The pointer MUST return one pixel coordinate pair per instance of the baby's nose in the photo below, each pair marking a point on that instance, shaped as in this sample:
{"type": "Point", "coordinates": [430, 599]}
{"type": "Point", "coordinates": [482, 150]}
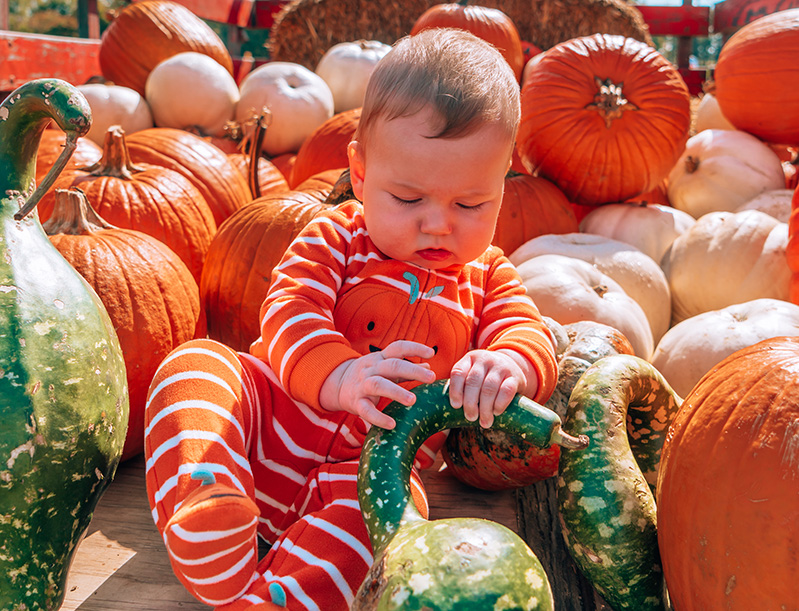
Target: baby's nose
{"type": "Point", "coordinates": [436, 222]}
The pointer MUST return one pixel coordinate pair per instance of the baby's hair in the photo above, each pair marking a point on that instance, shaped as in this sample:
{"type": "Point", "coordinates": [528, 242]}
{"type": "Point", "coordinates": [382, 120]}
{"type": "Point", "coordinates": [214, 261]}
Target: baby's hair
{"type": "Point", "coordinates": [462, 77]}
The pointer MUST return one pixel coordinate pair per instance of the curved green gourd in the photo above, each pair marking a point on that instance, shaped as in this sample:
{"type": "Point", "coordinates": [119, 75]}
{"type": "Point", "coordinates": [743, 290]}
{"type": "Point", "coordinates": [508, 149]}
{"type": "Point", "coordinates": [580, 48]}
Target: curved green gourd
{"type": "Point", "coordinates": [459, 563]}
{"type": "Point", "coordinates": [606, 504]}
{"type": "Point", "coordinates": [63, 389]}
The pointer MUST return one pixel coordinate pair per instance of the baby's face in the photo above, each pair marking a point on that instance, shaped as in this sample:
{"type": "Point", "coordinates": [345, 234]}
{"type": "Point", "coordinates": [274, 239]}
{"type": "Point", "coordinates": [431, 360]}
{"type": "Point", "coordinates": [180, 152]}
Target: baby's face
{"type": "Point", "coordinates": [430, 201]}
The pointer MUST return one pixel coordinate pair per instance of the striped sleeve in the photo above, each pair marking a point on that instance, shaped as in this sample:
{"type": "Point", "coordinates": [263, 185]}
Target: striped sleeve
{"type": "Point", "coordinates": [298, 335]}
{"type": "Point", "coordinates": [511, 321]}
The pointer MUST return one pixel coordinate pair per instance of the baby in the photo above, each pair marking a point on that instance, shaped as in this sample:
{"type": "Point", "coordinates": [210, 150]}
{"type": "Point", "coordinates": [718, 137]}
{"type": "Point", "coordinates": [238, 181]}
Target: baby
{"type": "Point", "coordinates": [398, 288]}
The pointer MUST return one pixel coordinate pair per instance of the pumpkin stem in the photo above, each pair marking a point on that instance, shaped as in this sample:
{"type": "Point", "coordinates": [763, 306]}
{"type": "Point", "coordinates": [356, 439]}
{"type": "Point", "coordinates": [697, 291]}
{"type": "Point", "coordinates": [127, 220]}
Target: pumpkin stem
{"type": "Point", "coordinates": [261, 123]}
{"type": "Point", "coordinates": [609, 101]}
{"type": "Point", "coordinates": [691, 164]}
{"type": "Point", "coordinates": [116, 158]}
{"type": "Point", "coordinates": [73, 215]}
{"type": "Point", "coordinates": [600, 289]}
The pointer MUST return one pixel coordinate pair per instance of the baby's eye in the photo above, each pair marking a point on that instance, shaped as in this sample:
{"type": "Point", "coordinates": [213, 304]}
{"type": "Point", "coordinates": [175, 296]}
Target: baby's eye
{"type": "Point", "coordinates": [406, 202]}
{"type": "Point", "coordinates": [471, 206]}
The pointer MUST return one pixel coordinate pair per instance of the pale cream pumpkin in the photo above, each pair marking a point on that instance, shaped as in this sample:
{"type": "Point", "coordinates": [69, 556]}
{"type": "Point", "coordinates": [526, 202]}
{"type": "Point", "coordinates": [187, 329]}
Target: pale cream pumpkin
{"type": "Point", "coordinates": [651, 228]}
{"type": "Point", "coordinates": [569, 290]}
{"type": "Point", "coordinates": [637, 273]}
{"type": "Point", "coordinates": [115, 105]}
{"type": "Point", "coordinates": [692, 347]}
{"type": "Point", "coordinates": [776, 203]}
{"type": "Point", "coordinates": [346, 68]}
{"type": "Point", "coordinates": [721, 170]}
{"type": "Point", "coordinates": [192, 91]}
{"type": "Point", "coordinates": [708, 115]}
{"type": "Point", "coordinates": [297, 99]}
{"type": "Point", "coordinates": [727, 258]}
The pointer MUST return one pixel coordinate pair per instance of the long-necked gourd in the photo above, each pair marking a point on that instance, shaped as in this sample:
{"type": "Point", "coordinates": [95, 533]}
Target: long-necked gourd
{"type": "Point", "coordinates": [63, 389]}
{"type": "Point", "coordinates": [605, 499]}
{"type": "Point", "coordinates": [451, 564]}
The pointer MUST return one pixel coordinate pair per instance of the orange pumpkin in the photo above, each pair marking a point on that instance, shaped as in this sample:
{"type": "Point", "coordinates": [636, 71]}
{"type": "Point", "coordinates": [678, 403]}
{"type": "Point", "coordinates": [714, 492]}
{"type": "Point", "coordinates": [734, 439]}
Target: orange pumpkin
{"type": "Point", "coordinates": [755, 77]}
{"type": "Point", "coordinates": [603, 117]}
{"type": "Point", "coordinates": [728, 485]}
{"type": "Point", "coordinates": [149, 293]}
{"type": "Point", "coordinates": [52, 144]}
{"type": "Point", "coordinates": [205, 165]}
{"type": "Point", "coordinates": [148, 198]}
{"type": "Point", "coordinates": [326, 147]}
{"type": "Point", "coordinates": [490, 24]}
{"type": "Point", "coordinates": [792, 251]}
{"type": "Point", "coordinates": [143, 34]}
{"type": "Point", "coordinates": [238, 269]}
{"type": "Point", "coordinates": [531, 206]}
{"type": "Point", "coordinates": [270, 178]}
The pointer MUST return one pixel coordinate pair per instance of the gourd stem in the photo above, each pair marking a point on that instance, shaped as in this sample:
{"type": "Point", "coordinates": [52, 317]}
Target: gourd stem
{"type": "Point", "coordinates": [69, 147]}
{"type": "Point", "coordinates": [563, 439]}
{"type": "Point", "coordinates": [116, 158]}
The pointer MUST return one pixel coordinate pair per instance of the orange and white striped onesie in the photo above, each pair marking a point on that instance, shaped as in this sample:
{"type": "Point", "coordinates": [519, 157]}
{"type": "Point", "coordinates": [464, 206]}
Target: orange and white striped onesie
{"type": "Point", "coordinates": [282, 465]}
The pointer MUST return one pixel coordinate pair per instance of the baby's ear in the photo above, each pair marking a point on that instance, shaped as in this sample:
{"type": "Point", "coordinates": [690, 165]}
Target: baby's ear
{"type": "Point", "coordinates": [357, 167]}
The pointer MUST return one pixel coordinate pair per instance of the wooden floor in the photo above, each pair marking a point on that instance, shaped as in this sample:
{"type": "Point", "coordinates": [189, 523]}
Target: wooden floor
{"type": "Point", "coordinates": [121, 564]}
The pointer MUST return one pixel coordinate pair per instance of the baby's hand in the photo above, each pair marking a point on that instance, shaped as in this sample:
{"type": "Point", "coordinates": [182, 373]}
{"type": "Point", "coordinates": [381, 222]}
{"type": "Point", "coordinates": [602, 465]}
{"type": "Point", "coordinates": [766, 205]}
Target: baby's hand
{"type": "Point", "coordinates": [357, 386]}
{"type": "Point", "coordinates": [484, 382]}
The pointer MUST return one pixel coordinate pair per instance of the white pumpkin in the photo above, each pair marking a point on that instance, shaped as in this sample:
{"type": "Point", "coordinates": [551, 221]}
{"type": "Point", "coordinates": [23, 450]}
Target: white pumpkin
{"type": "Point", "coordinates": [637, 273]}
{"type": "Point", "coordinates": [115, 105]}
{"type": "Point", "coordinates": [722, 170]}
{"type": "Point", "coordinates": [570, 290]}
{"type": "Point", "coordinates": [694, 346]}
{"type": "Point", "coordinates": [346, 68]}
{"type": "Point", "coordinates": [651, 228]}
{"type": "Point", "coordinates": [709, 115]}
{"type": "Point", "coordinates": [298, 99]}
{"type": "Point", "coordinates": [727, 258]}
{"type": "Point", "coordinates": [192, 91]}
{"type": "Point", "coordinates": [776, 203]}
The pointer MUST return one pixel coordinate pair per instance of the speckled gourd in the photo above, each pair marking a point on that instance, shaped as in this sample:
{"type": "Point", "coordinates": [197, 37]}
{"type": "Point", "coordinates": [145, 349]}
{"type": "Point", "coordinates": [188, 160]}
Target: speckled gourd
{"type": "Point", "coordinates": [605, 493]}
{"type": "Point", "coordinates": [63, 392]}
{"type": "Point", "coordinates": [451, 564]}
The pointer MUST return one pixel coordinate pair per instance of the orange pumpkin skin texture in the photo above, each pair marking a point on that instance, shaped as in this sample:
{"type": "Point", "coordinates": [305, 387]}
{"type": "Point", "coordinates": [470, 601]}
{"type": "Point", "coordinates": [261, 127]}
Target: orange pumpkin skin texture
{"type": "Point", "coordinates": [205, 165]}
{"type": "Point", "coordinates": [792, 251]}
{"type": "Point", "coordinates": [270, 178]}
{"type": "Point", "coordinates": [148, 292]}
{"type": "Point", "coordinates": [52, 144]}
{"type": "Point", "coordinates": [531, 206]}
{"type": "Point", "coordinates": [603, 117]}
{"type": "Point", "coordinates": [728, 485]}
{"type": "Point", "coordinates": [756, 75]}
{"type": "Point", "coordinates": [490, 24]}
{"type": "Point", "coordinates": [145, 33]}
{"type": "Point", "coordinates": [326, 147]}
{"type": "Point", "coordinates": [238, 268]}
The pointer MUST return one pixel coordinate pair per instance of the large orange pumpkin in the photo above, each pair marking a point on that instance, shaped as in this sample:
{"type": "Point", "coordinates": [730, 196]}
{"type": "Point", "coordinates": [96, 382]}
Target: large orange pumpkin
{"type": "Point", "coordinates": [148, 198]}
{"type": "Point", "coordinates": [326, 147]}
{"type": "Point", "coordinates": [728, 485]}
{"type": "Point", "coordinates": [490, 24]}
{"type": "Point", "coordinates": [756, 75]}
{"type": "Point", "coordinates": [149, 293]}
{"type": "Point", "coordinates": [144, 33]}
{"type": "Point", "coordinates": [792, 251]}
{"type": "Point", "coordinates": [531, 206]}
{"type": "Point", "coordinates": [603, 117]}
{"type": "Point", "coordinates": [51, 146]}
{"type": "Point", "coordinates": [204, 164]}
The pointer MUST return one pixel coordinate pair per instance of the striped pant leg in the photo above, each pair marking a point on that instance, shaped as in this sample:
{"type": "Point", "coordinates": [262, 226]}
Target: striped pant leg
{"type": "Point", "coordinates": [199, 420]}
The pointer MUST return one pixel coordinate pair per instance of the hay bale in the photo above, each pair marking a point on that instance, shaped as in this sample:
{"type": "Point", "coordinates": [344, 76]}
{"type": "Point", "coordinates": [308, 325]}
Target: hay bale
{"type": "Point", "coordinates": [304, 29]}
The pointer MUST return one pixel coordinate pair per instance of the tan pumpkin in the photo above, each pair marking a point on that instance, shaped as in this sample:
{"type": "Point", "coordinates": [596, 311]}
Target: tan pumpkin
{"type": "Point", "coordinates": [727, 258]}
{"type": "Point", "coordinates": [115, 105]}
{"type": "Point", "coordinates": [346, 68]}
{"type": "Point", "coordinates": [776, 203]}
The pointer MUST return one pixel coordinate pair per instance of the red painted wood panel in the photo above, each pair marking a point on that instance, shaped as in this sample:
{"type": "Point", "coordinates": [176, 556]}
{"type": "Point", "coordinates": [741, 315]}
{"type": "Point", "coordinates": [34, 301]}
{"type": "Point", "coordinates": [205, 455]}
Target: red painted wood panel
{"type": "Point", "coordinates": [24, 57]}
{"type": "Point", "coordinates": [676, 20]}
{"type": "Point", "coordinates": [235, 12]}
{"type": "Point", "coordinates": [730, 15]}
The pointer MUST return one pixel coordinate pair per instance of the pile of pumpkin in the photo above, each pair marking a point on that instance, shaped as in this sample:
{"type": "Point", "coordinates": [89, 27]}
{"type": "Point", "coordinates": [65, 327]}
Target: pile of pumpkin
{"type": "Point", "coordinates": [628, 206]}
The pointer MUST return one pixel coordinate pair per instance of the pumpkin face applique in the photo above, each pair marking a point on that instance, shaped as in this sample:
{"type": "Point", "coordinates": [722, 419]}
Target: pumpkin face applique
{"type": "Point", "coordinates": [373, 314]}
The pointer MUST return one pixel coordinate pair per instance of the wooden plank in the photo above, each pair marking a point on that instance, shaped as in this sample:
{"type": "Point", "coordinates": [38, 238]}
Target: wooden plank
{"type": "Point", "coordinates": [731, 15]}
{"type": "Point", "coordinates": [24, 57]}
{"type": "Point", "coordinates": [685, 20]}
{"type": "Point", "coordinates": [235, 12]}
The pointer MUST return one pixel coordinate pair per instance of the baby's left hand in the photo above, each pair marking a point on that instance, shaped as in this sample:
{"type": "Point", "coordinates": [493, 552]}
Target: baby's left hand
{"type": "Point", "coordinates": [484, 382]}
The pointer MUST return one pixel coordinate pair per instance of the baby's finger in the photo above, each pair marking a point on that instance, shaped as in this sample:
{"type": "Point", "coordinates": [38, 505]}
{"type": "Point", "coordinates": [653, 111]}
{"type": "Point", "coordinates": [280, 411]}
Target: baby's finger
{"type": "Point", "coordinates": [472, 388]}
{"type": "Point", "coordinates": [403, 348]}
{"type": "Point", "coordinates": [402, 370]}
{"type": "Point", "coordinates": [374, 416]}
{"type": "Point", "coordinates": [378, 386]}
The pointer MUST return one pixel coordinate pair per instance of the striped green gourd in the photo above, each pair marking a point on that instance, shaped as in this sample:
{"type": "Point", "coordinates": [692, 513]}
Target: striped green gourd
{"type": "Point", "coordinates": [605, 499]}
{"type": "Point", "coordinates": [450, 564]}
{"type": "Point", "coordinates": [63, 389]}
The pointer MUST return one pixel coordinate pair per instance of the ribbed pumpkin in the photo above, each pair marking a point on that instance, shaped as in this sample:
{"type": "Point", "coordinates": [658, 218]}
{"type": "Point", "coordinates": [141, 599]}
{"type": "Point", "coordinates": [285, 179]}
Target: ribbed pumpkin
{"type": "Point", "coordinates": [326, 147]}
{"type": "Point", "coordinates": [147, 32]}
{"type": "Point", "coordinates": [204, 164]}
{"type": "Point", "coordinates": [149, 293]}
{"type": "Point", "coordinates": [729, 482]}
{"type": "Point", "coordinates": [239, 265]}
{"type": "Point", "coordinates": [603, 117]}
{"type": "Point", "coordinates": [792, 251]}
{"type": "Point", "coordinates": [490, 24]}
{"type": "Point", "coordinates": [270, 178]}
{"type": "Point", "coordinates": [148, 198]}
{"type": "Point", "coordinates": [756, 74]}
{"type": "Point", "coordinates": [52, 145]}
{"type": "Point", "coordinates": [531, 206]}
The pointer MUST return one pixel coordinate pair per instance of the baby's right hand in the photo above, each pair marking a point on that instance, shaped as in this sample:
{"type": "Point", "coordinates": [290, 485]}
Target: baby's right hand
{"type": "Point", "coordinates": [356, 386]}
